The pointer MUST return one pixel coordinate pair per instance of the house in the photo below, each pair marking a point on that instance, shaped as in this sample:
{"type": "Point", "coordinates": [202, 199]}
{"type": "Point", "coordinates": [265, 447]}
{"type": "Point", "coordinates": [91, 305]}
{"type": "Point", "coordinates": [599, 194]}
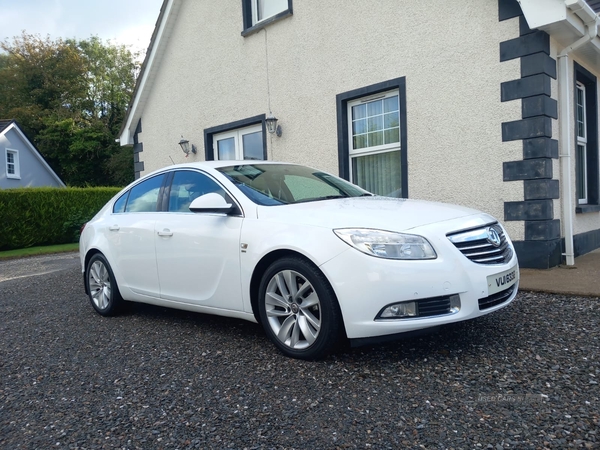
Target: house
{"type": "Point", "coordinates": [491, 104]}
{"type": "Point", "coordinates": [21, 164]}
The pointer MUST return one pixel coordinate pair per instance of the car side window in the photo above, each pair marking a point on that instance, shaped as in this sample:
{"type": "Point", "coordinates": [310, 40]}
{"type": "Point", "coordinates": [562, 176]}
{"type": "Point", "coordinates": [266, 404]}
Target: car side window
{"type": "Point", "coordinates": [188, 185]}
{"type": "Point", "coordinates": [144, 196]}
{"type": "Point", "coordinates": [119, 206]}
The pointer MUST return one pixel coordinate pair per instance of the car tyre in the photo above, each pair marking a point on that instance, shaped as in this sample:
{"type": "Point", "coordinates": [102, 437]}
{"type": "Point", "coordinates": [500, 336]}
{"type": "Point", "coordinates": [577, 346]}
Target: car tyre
{"type": "Point", "coordinates": [298, 309]}
{"type": "Point", "coordinates": [102, 287]}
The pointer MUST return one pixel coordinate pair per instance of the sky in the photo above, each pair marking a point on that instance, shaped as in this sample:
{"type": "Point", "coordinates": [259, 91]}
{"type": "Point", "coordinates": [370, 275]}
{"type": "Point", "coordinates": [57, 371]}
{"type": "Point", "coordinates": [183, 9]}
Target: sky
{"type": "Point", "coordinates": [128, 22]}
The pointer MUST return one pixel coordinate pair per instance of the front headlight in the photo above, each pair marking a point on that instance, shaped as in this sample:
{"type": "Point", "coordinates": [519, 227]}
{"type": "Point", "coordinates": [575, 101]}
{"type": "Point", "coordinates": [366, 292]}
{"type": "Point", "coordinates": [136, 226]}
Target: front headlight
{"type": "Point", "coordinates": [387, 244]}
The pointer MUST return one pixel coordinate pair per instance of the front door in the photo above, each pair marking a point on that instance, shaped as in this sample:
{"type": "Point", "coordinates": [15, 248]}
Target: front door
{"type": "Point", "coordinates": [198, 254]}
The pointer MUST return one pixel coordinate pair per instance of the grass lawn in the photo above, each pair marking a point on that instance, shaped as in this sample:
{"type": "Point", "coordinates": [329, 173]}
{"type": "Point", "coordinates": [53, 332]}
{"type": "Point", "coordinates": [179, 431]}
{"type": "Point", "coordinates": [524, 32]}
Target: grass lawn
{"type": "Point", "coordinates": [32, 251]}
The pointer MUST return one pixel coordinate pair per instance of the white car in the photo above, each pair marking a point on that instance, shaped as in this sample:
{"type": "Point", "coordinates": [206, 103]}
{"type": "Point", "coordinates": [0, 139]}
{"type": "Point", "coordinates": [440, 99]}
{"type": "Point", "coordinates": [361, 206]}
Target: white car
{"type": "Point", "coordinates": [310, 256]}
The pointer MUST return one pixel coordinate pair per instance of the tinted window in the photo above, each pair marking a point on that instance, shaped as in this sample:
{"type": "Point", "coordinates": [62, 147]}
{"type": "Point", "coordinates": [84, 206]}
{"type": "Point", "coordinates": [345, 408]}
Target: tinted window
{"type": "Point", "coordinates": [144, 196]}
{"type": "Point", "coordinates": [119, 205]}
{"type": "Point", "coordinates": [187, 185]}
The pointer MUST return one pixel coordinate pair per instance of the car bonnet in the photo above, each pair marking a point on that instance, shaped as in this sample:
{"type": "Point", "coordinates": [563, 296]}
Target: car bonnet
{"type": "Point", "coordinates": [366, 212]}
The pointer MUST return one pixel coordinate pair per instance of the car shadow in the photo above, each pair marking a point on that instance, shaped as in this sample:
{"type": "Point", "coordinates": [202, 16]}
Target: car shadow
{"type": "Point", "coordinates": [474, 337]}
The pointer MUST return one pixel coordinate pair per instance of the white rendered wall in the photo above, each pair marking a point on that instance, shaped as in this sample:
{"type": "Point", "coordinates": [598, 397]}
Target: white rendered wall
{"type": "Point", "coordinates": [448, 51]}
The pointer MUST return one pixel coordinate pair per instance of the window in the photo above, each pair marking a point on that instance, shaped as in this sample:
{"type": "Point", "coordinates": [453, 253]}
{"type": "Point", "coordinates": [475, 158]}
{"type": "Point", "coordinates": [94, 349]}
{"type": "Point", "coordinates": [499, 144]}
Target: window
{"type": "Point", "coordinates": [587, 166]}
{"type": "Point", "coordinates": [119, 206]}
{"type": "Point", "coordinates": [244, 143]}
{"type": "Point", "coordinates": [277, 184]}
{"type": "Point", "coordinates": [241, 140]}
{"type": "Point", "coordinates": [263, 9]}
{"type": "Point", "coordinates": [372, 150]}
{"type": "Point", "coordinates": [12, 164]}
{"type": "Point", "coordinates": [188, 185]}
{"type": "Point", "coordinates": [258, 13]}
{"type": "Point", "coordinates": [581, 156]}
{"type": "Point", "coordinates": [144, 196]}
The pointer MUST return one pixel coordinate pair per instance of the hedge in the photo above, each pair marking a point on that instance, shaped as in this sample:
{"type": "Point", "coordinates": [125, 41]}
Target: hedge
{"type": "Point", "coordinates": [47, 216]}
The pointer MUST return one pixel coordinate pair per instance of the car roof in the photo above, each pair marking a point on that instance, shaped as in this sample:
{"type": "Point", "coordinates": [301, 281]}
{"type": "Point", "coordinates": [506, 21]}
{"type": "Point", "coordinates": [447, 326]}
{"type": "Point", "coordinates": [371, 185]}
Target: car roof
{"type": "Point", "coordinates": [213, 165]}
{"type": "Point", "coordinates": [224, 163]}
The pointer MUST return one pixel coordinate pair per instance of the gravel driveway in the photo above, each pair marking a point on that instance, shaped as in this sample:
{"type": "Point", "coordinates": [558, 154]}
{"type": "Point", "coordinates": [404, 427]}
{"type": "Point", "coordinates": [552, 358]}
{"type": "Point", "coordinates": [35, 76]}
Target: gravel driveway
{"type": "Point", "coordinates": [526, 377]}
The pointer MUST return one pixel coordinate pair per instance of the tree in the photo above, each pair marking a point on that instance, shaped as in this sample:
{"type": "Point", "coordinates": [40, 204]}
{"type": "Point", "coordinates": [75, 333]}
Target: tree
{"type": "Point", "coordinates": [71, 97]}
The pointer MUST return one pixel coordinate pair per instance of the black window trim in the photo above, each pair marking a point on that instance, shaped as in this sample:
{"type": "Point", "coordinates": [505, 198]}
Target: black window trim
{"type": "Point", "coordinates": [586, 78]}
{"type": "Point", "coordinates": [209, 154]}
{"type": "Point", "coordinates": [249, 28]}
{"type": "Point", "coordinates": [342, 125]}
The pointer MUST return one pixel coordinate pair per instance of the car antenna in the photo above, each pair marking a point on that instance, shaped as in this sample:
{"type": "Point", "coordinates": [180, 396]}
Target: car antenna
{"type": "Point", "coordinates": [171, 160]}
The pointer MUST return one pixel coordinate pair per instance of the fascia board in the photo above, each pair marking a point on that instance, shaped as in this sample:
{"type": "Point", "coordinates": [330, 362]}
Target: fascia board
{"type": "Point", "coordinates": [147, 75]}
{"type": "Point", "coordinates": [582, 9]}
{"type": "Point", "coordinates": [564, 20]}
{"type": "Point", "coordinates": [541, 13]}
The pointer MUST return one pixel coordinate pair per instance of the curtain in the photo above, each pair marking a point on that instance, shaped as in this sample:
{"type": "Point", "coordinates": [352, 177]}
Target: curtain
{"type": "Point", "coordinates": [380, 173]}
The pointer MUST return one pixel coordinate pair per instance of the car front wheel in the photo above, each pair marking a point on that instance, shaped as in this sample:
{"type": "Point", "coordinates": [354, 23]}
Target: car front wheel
{"type": "Point", "coordinates": [298, 309]}
{"type": "Point", "coordinates": [102, 287]}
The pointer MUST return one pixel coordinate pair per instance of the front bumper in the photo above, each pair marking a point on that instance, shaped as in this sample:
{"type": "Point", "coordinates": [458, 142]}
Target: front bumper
{"type": "Point", "coordinates": [364, 285]}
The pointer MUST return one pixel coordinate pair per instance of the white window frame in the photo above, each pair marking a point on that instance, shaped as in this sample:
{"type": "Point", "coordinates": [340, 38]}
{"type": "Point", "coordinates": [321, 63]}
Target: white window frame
{"type": "Point", "coordinates": [581, 141]}
{"type": "Point", "coordinates": [352, 152]}
{"type": "Point", "coordinates": [237, 135]}
{"type": "Point", "coordinates": [15, 164]}
{"type": "Point", "coordinates": [256, 9]}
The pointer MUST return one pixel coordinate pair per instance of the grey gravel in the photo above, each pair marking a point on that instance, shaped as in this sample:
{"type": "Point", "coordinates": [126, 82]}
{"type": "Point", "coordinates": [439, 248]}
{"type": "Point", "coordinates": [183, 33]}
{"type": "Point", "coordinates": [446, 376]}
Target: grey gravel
{"type": "Point", "coordinates": [524, 377]}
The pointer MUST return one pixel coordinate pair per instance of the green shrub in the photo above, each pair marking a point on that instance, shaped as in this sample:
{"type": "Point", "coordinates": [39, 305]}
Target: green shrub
{"type": "Point", "coordinates": [47, 216]}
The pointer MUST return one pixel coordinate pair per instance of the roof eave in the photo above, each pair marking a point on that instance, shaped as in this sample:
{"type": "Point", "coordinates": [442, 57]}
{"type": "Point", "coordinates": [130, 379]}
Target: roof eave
{"type": "Point", "coordinates": [564, 20]}
{"type": "Point", "coordinates": [160, 36]}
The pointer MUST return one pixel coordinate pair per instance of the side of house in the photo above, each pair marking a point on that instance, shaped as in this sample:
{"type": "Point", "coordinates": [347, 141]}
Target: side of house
{"type": "Point", "coordinates": [21, 164]}
{"type": "Point", "coordinates": [453, 101]}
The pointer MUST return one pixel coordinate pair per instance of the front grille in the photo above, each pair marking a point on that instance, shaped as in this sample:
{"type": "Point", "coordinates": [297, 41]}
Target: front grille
{"type": "Point", "coordinates": [496, 299]}
{"type": "Point", "coordinates": [478, 246]}
{"type": "Point", "coordinates": [436, 306]}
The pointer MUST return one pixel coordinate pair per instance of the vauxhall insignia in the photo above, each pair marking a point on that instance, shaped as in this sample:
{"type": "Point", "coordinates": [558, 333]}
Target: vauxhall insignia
{"type": "Point", "coordinates": [493, 237]}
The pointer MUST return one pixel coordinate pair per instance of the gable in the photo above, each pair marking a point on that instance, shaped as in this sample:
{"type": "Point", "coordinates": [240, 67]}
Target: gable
{"type": "Point", "coordinates": [162, 30]}
{"type": "Point", "coordinates": [21, 164]}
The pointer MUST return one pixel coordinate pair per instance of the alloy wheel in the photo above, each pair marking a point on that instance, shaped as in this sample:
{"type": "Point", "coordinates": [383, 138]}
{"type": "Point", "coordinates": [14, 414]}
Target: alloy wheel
{"type": "Point", "coordinates": [293, 309]}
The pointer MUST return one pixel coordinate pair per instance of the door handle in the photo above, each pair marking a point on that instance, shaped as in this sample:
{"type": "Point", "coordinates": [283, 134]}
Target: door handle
{"type": "Point", "coordinates": [165, 232]}
{"type": "Point", "coordinates": [114, 228]}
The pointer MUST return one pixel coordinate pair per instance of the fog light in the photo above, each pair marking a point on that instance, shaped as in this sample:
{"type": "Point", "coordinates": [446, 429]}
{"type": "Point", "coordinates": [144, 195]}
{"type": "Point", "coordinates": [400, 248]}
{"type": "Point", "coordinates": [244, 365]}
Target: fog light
{"type": "Point", "coordinates": [454, 303]}
{"type": "Point", "coordinates": [406, 309]}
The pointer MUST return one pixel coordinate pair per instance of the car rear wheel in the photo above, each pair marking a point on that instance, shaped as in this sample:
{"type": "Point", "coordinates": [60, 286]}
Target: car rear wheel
{"type": "Point", "coordinates": [298, 309]}
{"type": "Point", "coordinates": [102, 287]}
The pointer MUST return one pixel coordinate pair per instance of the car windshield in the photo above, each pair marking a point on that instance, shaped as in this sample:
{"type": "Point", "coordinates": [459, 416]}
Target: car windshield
{"type": "Point", "coordinates": [281, 184]}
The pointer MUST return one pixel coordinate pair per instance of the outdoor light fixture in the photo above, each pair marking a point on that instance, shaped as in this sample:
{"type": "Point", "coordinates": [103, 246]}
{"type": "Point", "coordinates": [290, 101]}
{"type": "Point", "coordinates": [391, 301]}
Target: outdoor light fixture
{"type": "Point", "coordinates": [272, 126]}
{"type": "Point", "coordinates": [185, 146]}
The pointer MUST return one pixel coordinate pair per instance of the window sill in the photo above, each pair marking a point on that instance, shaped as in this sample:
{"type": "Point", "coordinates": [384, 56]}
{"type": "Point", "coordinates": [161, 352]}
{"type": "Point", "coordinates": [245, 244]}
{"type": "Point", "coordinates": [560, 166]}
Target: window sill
{"type": "Point", "coordinates": [13, 177]}
{"type": "Point", "coordinates": [260, 25]}
{"type": "Point", "coordinates": [582, 209]}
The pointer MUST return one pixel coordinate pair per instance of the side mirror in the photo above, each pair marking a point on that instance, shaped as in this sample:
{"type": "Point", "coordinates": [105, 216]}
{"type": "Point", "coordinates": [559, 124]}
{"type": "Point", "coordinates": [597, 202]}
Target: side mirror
{"type": "Point", "coordinates": [211, 203]}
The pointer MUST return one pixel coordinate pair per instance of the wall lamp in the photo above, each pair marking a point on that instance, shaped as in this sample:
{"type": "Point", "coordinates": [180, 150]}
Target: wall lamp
{"type": "Point", "coordinates": [185, 146]}
{"type": "Point", "coordinates": [272, 126]}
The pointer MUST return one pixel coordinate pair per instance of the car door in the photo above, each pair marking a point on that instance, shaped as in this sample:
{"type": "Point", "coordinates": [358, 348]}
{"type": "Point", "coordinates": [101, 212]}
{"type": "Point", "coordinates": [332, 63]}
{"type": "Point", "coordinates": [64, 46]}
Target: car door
{"type": "Point", "coordinates": [198, 254]}
{"type": "Point", "coordinates": [130, 231]}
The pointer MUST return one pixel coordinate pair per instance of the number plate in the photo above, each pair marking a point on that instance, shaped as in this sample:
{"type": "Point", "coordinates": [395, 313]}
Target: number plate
{"type": "Point", "coordinates": [502, 280]}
